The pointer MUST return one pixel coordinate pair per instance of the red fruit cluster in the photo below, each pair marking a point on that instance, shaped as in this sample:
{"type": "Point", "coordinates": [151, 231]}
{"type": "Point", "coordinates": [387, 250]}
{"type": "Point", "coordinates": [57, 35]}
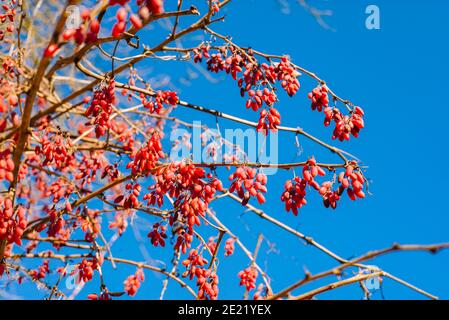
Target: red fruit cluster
{"type": "Point", "coordinates": [6, 165]}
{"type": "Point", "coordinates": [248, 278]}
{"type": "Point", "coordinates": [350, 180]}
{"type": "Point", "coordinates": [253, 75]}
{"type": "Point", "coordinates": [319, 97]}
{"type": "Point", "coordinates": [42, 272]}
{"type": "Point", "coordinates": [186, 183]}
{"type": "Point", "coordinates": [193, 263]}
{"type": "Point", "coordinates": [310, 171]}
{"type": "Point", "coordinates": [354, 182]}
{"type": "Point", "coordinates": [330, 197]}
{"type": "Point", "coordinates": [86, 269]}
{"type": "Point", "coordinates": [147, 157]}
{"type": "Point", "coordinates": [88, 167]}
{"type": "Point", "coordinates": [200, 53]}
{"type": "Point", "coordinates": [132, 199]}
{"type": "Point", "coordinates": [345, 125]}
{"type": "Point", "coordinates": [86, 33]}
{"type": "Point", "coordinates": [120, 26]}
{"type": "Point", "coordinates": [207, 280]}
{"type": "Point", "coordinates": [229, 247]}
{"type": "Point", "coordinates": [12, 222]}
{"type": "Point", "coordinates": [157, 103]}
{"type": "Point", "coordinates": [59, 190]}
{"type": "Point", "coordinates": [288, 76]}
{"type": "Point", "coordinates": [207, 284]}
{"type": "Point", "coordinates": [55, 152]}
{"type": "Point", "coordinates": [111, 171]}
{"type": "Point", "coordinates": [101, 107]}
{"type": "Point", "coordinates": [294, 194]}
{"type": "Point", "coordinates": [56, 224]}
{"type": "Point", "coordinates": [257, 98]}
{"type": "Point", "coordinates": [7, 19]}
{"type": "Point", "coordinates": [132, 283]}
{"type": "Point", "coordinates": [158, 235]}
{"type": "Point", "coordinates": [248, 183]}
{"type": "Point", "coordinates": [268, 120]}
{"type": "Point", "coordinates": [90, 223]}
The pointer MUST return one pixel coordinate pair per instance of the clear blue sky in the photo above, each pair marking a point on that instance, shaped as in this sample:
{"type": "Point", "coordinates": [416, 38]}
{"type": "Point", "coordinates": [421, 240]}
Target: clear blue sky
{"type": "Point", "coordinates": [398, 74]}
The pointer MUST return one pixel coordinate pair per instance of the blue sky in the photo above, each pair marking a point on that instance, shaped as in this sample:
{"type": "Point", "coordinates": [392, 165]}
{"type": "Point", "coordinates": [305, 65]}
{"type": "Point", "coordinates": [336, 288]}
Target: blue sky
{"type": "Point", "coordinates": [398, 74]}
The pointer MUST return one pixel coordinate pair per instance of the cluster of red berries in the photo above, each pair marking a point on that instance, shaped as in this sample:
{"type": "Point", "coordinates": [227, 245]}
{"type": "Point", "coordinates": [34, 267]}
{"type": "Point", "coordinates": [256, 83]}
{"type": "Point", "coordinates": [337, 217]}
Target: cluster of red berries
{"type": "Point", "coordinates": [146, 158]}
{"type": "Point", "coordinates": [110, 171]}
{"type": "Point", "coordinates": [42, 272]}
{"type": "Point", "coordinates": [87, 169]}
{"type": "Point", "coordinates": [229, 247]}
{"type": "Point", "coordinates": [132, 283]}
{"type": "Point", "coordinates": [287, 74]}
{"type": "Point", "coordinates": [161, 98]}
{"type": "Point", "coordinates": [310, 171]}
{"type": "Point", "coordinates": [90, 223]}
{"type": "Point", "coordinates": [55, 151]}
{"type": "Point", "coordinates": [294, 194]}
{"type": "Point", "coordinates": [86, 269]}
{"type": "Point", "coordinates": [207, 280]}
{"type": "Point", "coordinates": [193, 263]}
{"type": "Point", "coordinates": [187, 184]}
{"type": "Point", "coordinates": [101, 107]}
{"type": "Point", "coordinates": [56, 225]}
{"type": "Point", "coordinates": [330, 196]}
{"type": "Point", "coordinates": [354, 182]}
{"type": "Point", "coordinates": [7, 18]}
{"type": "Point", "coordinates": [149, 7]}
{"type": "Point", "coordinates": [132, 199]}
{"type": "Point", "coordinates": [59, 190]}
{"type": "Point", "coordinates": [248, 278]}
{"type": "Point", "coordinates": [87, 31]}
{"type": "Point", "coordinates": [158, 235]}
{"type": "Point", "coordinates": [120, 26]}
{"type": "Point", "coordinates": [319, 97]}
{"type": "Point", "coordinates": [345, 125]}
{"type": "Point", "coordinates": [12, 222]}
{"type": "Point", "coordinates": [350, 180]}
{"type": "Point", "coordinates": [253, 75]}
{"type": "Point", "coordinates": [268, 120]}
{"type": "Point", "coordinates": [248, 183]}
{"type": "Point", "coordinates": [6, 165]}
{"type": "Point", "coordinates": [258, 97]}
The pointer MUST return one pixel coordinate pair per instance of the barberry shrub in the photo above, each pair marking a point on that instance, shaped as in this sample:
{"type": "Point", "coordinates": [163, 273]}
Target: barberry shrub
{"type": "Point", "coordinates": [85, 153]}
